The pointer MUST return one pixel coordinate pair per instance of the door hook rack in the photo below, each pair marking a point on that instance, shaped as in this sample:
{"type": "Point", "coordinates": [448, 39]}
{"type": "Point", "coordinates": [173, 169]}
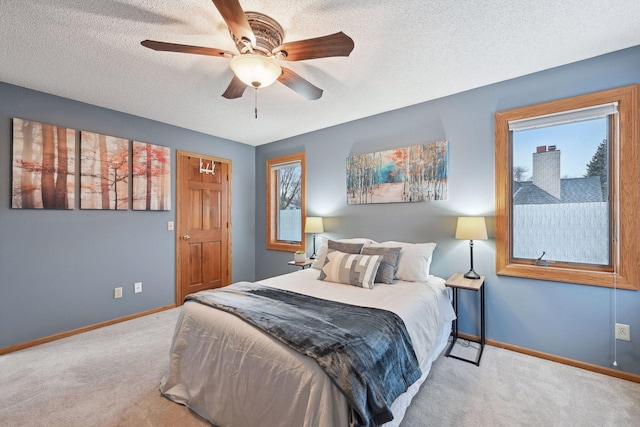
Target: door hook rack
{"type": "Point", "coordinates": [206, 169]}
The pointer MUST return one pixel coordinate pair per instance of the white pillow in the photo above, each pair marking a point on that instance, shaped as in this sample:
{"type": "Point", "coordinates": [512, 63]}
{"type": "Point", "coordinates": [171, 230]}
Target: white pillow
{"type": "Point", "coordinates": [414, 261]}
{"type": "Point", "coordinates": [318, 263]}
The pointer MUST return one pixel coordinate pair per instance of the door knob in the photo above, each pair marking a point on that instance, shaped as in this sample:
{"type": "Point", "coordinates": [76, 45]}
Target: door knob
{"type": "Point", "coordinates": [186, 237]}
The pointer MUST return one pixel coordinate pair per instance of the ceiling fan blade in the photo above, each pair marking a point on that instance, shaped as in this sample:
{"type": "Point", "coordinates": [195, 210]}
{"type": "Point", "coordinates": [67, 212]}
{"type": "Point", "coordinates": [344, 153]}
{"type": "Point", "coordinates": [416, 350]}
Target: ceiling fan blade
{"type": "Point", "coordinates": [300, 85]}
{"type": "Point", "coordinates": [236, 20]}
{"type": "Point", "coordinates": [185, 48]}
{"type": "Point", "coordinates": [338, 44]}
{"type": "Point", "coordinates": [235, 89]}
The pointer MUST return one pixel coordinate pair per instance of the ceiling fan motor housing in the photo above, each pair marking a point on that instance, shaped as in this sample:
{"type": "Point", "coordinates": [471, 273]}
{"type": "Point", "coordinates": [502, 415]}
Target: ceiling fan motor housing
{"type": "Point", "coordinates": [269, 34]}
{"type": "Point", "coordinates": [259, 40]}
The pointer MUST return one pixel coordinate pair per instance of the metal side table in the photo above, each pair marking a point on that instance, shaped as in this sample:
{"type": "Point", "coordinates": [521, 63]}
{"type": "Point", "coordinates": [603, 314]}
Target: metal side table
{"type": "Point", "coordinates": [455, 282]}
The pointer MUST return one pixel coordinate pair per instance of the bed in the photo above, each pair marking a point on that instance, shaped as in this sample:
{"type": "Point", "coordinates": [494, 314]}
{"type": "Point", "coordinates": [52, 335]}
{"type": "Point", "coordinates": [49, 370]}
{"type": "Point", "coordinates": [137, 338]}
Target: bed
{"type": "Point", "coordinates": [234, 374]}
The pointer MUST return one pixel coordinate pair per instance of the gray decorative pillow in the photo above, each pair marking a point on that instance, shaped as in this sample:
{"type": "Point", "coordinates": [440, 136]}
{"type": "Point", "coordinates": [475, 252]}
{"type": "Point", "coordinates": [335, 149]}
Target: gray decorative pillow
{"type": "Point", "coordinates": [347, 248]}
{"type": "Point", "coordinates": [318, 263]}
{"type": "Point", "coordinates": [388, 265]}
{"type": "Point", "coordinates": [350, 269]}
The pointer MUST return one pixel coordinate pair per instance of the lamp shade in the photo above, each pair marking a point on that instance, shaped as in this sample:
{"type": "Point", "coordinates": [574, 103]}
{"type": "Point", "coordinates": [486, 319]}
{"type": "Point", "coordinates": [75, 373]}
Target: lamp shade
{"type": "Point", "coordinates": [313, 224]}
{"type": "Point", "coordinates": [471, 228]}
{"type": "Point", "coordinates": [255, 70]}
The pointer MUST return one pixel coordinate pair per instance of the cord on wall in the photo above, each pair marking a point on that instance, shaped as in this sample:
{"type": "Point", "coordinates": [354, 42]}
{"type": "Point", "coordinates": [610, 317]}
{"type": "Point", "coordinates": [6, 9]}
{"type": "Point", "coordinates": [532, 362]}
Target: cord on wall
{"type": "Point", "coordinates": [616, 231]}
{"type": "Point", "coordinates": [615, 316]}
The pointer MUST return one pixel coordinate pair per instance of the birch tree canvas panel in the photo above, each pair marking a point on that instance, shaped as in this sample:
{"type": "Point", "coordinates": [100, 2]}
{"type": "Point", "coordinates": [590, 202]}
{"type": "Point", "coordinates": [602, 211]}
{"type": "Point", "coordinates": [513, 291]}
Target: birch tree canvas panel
{"type": "Point", "coordinates": [104, 172]}
{"type": "Point", "coordinates": [43, 166]}
{"type": "Point", "coordinates": [412, 174]}
{"type": "Point", "coordinates": [151, 177]}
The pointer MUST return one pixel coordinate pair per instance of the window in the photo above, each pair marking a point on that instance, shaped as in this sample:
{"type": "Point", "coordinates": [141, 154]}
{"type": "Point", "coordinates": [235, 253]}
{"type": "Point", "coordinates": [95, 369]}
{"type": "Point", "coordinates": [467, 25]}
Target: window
{"type": "Point", "coordinates": [567, 175]}
{"type": "Point", "coordinates": [286, 203]}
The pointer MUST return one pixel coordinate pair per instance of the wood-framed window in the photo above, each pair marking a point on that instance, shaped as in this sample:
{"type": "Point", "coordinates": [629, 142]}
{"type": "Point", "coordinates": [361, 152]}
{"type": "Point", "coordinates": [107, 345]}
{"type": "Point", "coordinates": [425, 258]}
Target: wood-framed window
{"type": "Point", "coordinates": [286, 203]}
{"type": "Point", "coordinates": [585, 222]}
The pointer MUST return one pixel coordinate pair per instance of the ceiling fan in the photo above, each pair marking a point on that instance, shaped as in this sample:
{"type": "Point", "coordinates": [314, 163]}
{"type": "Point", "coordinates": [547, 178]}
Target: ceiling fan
{"type": "Point", "coordinates": [259, 40]}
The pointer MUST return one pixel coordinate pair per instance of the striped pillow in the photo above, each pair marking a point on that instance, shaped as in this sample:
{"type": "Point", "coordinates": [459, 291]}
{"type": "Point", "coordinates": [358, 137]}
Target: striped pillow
{"type": "Point", "coordinates": [350, 269]}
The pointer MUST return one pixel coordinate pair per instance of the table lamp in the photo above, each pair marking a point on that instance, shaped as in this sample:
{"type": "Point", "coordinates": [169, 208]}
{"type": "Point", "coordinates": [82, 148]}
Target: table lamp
{"type": "Point", "coordinates": [313, 224]}
{"type": "Point", "coordinates": [471, 228]}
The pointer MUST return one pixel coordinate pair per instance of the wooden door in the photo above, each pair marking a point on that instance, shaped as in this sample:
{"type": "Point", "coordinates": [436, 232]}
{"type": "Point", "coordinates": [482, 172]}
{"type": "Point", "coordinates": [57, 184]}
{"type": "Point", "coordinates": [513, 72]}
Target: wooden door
{"type": "Point", "coordinates": [203, 229]}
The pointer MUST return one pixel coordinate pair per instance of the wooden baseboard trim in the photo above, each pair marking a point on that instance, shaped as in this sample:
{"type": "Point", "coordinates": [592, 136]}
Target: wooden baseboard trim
{"type": "Point", "coordinates": [559, 359]}
{"type": "Point", "coordinates": [66, 334]}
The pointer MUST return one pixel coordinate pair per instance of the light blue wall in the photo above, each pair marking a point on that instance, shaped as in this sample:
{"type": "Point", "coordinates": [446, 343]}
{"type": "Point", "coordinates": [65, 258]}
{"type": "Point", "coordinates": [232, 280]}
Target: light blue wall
{"type": "Point", "coordinates": [567, 320]}
{"type": "Point", "coordinates": [58, 269]}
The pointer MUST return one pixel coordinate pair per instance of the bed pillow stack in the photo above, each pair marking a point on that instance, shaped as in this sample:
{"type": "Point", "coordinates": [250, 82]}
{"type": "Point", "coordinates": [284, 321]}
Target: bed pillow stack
{"type": "Point", "coordinates": [344, 264]}
{"type": "Point", "coordinates": [409, 262]}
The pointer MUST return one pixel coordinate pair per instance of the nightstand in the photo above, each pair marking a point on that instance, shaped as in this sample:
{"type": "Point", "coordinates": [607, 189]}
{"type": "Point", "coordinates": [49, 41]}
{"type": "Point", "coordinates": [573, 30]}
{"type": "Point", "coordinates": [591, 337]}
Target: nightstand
{"type": "Point", "coordinates": [302, 265]}
{"type": "Point", "coordinates": [455, 282]}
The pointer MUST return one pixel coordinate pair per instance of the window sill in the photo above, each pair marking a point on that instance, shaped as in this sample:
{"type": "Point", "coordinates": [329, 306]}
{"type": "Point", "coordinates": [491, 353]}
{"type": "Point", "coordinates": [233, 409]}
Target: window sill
{"type": "Point", "coordinates": [566, 275]}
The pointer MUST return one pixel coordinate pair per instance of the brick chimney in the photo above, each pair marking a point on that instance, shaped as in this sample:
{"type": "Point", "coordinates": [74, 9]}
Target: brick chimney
{"type": "Point", "coordinates": [546, 169]}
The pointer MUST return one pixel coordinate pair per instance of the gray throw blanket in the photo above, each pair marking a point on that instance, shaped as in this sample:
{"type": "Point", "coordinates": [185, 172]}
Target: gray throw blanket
{"type": "Point", "coordinates": [367, 352]}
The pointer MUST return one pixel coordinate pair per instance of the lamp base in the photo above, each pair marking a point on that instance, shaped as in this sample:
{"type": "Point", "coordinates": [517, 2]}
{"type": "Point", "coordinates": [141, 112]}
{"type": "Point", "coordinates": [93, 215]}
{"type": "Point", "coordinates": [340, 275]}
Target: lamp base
{"type": "Point", "coordinates": [471, 275]}
{"type": "Point", "coordinates": [314, 247]}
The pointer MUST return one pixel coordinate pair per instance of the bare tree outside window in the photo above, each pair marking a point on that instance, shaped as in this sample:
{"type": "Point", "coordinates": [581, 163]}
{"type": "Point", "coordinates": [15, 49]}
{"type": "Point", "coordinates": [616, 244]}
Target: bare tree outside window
{"type": "Point", "coordinates": [286, 203]}
{"type": "Point", "coordinates": [289, 201]}
{"type": "Point", "coordinates": [519, 173]}
{"type": "Point", "coordinates": [290, 184]}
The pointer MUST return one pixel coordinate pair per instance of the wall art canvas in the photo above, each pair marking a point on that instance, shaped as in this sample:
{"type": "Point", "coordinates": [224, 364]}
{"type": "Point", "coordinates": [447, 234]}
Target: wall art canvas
{"type": "Point", "coordinates": [412, 174]}
{"type": "Point", "coordinates": [151, 177]}
{"type": "Point", "coordinates": [44, 158]}
{"type": "Point", "coordinates": [104, 172]}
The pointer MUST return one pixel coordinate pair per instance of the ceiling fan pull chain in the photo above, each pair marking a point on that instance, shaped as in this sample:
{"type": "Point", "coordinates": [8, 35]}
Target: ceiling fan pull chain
{"type": "Point", "coordinates": [256, 103]}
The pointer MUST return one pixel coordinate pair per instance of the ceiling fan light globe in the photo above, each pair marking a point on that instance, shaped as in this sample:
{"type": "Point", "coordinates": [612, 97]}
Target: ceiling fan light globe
{"type": "Point", "coordinates": [255, 70]}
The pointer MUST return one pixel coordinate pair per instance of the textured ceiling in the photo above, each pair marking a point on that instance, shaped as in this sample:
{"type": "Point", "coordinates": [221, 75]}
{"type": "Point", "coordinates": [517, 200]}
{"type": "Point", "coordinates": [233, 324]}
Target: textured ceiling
{"type": "Point", "coordinates": [406, 52]}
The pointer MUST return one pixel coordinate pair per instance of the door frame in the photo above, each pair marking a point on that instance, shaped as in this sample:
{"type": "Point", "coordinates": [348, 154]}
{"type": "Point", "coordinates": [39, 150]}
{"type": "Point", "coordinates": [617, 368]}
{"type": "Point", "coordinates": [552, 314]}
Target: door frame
{"type": "Point", "coordinates": [178, 233]}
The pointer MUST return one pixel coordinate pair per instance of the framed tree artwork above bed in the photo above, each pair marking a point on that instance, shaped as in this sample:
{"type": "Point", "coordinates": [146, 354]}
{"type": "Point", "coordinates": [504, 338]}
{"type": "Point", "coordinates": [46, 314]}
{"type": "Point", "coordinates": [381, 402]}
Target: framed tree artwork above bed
{"type": "Point", "coordinates": [411, 174]}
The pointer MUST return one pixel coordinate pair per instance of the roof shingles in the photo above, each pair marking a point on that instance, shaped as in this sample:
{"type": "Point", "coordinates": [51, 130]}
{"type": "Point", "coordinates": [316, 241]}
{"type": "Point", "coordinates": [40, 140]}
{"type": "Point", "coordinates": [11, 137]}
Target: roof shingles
{"type": "Point", "coordinates": [572, 190]}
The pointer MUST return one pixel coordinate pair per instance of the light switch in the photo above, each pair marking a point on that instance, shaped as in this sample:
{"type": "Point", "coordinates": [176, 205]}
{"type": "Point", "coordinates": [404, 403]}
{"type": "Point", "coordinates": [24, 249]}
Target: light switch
{"type": "Point", "coordinates": [170, 226]}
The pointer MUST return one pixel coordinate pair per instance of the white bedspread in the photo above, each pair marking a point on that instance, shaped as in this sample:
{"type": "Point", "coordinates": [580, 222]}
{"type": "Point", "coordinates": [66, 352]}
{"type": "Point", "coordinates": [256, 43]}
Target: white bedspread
{"type": "Point", "coordinates": [235, 375]}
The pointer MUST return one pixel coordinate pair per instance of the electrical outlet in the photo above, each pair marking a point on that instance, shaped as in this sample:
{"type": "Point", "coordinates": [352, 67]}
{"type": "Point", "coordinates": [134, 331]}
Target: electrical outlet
{"type": "Point", "coordinates": [623, 332]}
{"type": "Point", "coordinates": [137, 287]}
{"type": "Point", "coordinates": [117, 293]}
